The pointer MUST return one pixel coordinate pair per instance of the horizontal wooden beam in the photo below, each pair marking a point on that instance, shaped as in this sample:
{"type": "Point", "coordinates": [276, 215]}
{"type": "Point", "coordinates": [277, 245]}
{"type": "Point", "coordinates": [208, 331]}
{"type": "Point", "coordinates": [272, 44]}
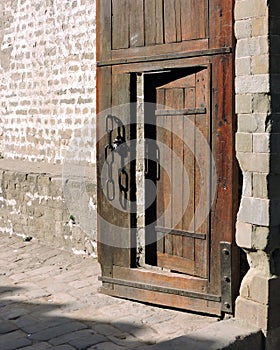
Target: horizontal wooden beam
{"type": "Point", "coordinates": [165, 57]}
{"type": "Point", "coordinates": [151, 287]}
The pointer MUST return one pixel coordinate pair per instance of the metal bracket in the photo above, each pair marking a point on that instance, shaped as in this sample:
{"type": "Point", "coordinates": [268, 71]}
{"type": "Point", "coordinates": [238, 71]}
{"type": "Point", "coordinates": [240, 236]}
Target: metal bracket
{"type": "Point", "coordinates": [226, 277]}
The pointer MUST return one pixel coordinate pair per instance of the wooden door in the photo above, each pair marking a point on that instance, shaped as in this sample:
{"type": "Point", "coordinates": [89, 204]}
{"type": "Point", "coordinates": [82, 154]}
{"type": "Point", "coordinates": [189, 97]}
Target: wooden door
{"type": "Point", "coordinates": [183, 189]}
{"type": "Point", "coordinates": [183, 50]}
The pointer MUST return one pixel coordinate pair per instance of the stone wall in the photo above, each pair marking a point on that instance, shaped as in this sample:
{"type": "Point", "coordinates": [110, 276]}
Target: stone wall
{"type": "Point", "coordinates": [47, 79]}
{"type": "Point", "coordinates": [47, 204]}
{"type": "Point", "coordinates": [257, 29]}
{"type": "Point", "coordinates": [47, 116]}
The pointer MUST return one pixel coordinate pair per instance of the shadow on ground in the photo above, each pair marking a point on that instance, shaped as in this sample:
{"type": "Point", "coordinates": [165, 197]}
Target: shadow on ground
{"type": "Point", "coordinates": [27, 325]}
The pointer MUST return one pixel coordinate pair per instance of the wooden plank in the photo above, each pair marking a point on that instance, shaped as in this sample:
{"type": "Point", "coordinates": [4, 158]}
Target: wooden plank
{"type": "Point", "coordinates": [103, 30]}
{"type": "Point", "coordinates": [161, 299]}
{"type": "Point", "coordinates": [157, 288]}
{"type": "Point", "coordinates": [104, 96]}
{"type": "Point", "coordinates": [177, 169]}
{"type": "Point", "coordinates": [150, 22]}
{"type": "Point", "coordinates": [165, 279]}
{"type": "Point", "coordinates": [176, 263]}
{"type": "Point", "coordinates": [169, 21]}
{"type": "Point", "coordinates": [168, 166]}
{"type": "Point", "coordinates": [221, 23]}
{"type": "Point", "coordinates": [159, 22]}
{"type": "Point", "coordinates": [156, 52]}
{"type": "Point", "coordinates": [178, 20]}
{"type": "Point", "coordinates": [162, 200]}
{"type": "Point", "coordinates": [202, 175]}
{"type": "Point", "coordinates": [188, 182]}
{"type": "Point", "coordinates": [120, 24]}
{"type": "Point", "coordinates": [193, 19]}
{"type": "Point", "coordinates": [121, 219]}
{"type": "Point", "coordinates": [223, 128]}
{"type": "Point", "coordinates": [137, 37]}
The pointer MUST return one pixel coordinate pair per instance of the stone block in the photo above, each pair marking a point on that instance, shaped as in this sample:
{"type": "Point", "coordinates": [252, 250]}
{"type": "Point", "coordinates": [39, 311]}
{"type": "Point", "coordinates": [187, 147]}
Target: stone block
{"type": "Point", "coordinates": [260, 185]}
{"type": "Point", "coordinates": [260, 64]}
{"type": "Point", "coordinates": [251, 84]}
{"type": "Point", "coordinates": [243, 66]}
{"type": "Point", "coordinates": [250, 8]}
{"type": "Point", "coordinates": [255, 211]}
{"type": "Point", "coordinates": [243, 28]}
{"type": "Point", "coordinates": [261, 143]}
{"type": "Point", "coordinates": [261, 103]}
{"type": "Point", "coordinates": [259, 26]}
{"type": "Point", "coordinates": [244, 142]}
{"type": "Point", "coordinates": [243, 103]}
{"type": "Point", "coordinates": [251, 312]}
{"type": "Point", "coordinates": [247, 123]}
{"type": "Point", "coordinates": [255, 162]}
{"type": "Point", "coordinates": [247, 185]}
{"type": "Point", "coordinates": [244, 235]}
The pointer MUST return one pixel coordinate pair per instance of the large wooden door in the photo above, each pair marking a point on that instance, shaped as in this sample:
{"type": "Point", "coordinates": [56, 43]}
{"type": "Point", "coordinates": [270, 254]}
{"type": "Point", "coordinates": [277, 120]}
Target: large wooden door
{"type": "Point", "coordinates": [178, 56]}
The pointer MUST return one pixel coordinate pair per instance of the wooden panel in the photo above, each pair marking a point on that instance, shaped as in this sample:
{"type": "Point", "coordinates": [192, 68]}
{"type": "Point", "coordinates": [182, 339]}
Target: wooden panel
{"type": "Point", "coordinates": [193, 48]}
{"type": "Point", "coordinates": [120, 24]}
{"type": "Point", "coordinates": [159, 22]}
{"type": "Point", "coordinates": [137, 37]}
{"type": "Point", "coordinates": [103, 29]}
{"type": "Point", "coordinates": [176, 263]}
{"type": "Point", "coordinates": [221, 23]}
{"type": "Point", "coordinates": [150, 22]}
{"type": "Point", "coordinates": [169, 21]}
{"type": "Point", "coordinates": [159, 298]}
{"type": "Point", "coordinates": [188, 186]}
{"type": "Point", "coordinates": [194, 20]}
{"type": "Point", "coordinates": [181, 252]}
{"type": "Point", "coordinates": [166, 279]}
{"type": "Point", "coordinates": [177, 169]}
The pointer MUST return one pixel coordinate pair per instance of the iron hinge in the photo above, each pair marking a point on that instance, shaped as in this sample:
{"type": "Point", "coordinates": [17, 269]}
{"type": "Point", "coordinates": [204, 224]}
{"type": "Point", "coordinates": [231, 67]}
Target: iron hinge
{"type": "Point", "coordinates": [226, 277]}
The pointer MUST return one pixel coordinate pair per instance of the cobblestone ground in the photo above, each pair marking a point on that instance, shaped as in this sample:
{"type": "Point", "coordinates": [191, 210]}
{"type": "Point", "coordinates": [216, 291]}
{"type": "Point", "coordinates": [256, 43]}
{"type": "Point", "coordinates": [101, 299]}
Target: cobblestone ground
{"type": "Point", "coordinates": [49, 299]}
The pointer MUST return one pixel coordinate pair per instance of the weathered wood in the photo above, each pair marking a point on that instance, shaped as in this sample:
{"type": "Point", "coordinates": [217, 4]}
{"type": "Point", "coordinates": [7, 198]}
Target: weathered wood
{"type": "Point", "coordinates": [137, 37]}
{"type": "Point", "coordinates": [120, 24]}
{"type": "Point", "coordinates": [159, 22]}
{"type": "Point", "coordinates": [176, 263]}
{"type": "Point", "coordinates": [188, 38]}
{"type": "Point", "coordinates": [166, 279]}
{"type": "Point", "coordinates": [103, 28]}
{"type": "Point", "coordinates": [163, 57]}
{"type": "Point", "coordinates": [155, 288]}
{"type": "Point", "coordinates": [159, 298]}
{"type": "Point", "coordinates": [169, 21]}
{"type": "Point", "coordinates": [194, 21]}
{"type": "Point", "coordinates": [150, 22]}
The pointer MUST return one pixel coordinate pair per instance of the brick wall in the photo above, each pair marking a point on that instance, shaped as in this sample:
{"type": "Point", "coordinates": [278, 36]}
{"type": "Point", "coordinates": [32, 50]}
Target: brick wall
{"type": "Point", "coordinates": [47, 78]}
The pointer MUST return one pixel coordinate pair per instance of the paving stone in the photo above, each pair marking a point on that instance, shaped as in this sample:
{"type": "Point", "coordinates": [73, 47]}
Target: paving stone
{"type": "Point", "coordinates": [7, 327]}
{"type": "Point", "coordinates": [74, 337]}
{"type": "Point", "coordinates": [37, 346]}
{"type": "Point", "coordinates": [75, 316]}
{"type": "Point", "coordinates": [54, 332]}
{"type": "Point", "coordinates": [14, 340]}
{"type": "Point", "coordinates": [85, 343]}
